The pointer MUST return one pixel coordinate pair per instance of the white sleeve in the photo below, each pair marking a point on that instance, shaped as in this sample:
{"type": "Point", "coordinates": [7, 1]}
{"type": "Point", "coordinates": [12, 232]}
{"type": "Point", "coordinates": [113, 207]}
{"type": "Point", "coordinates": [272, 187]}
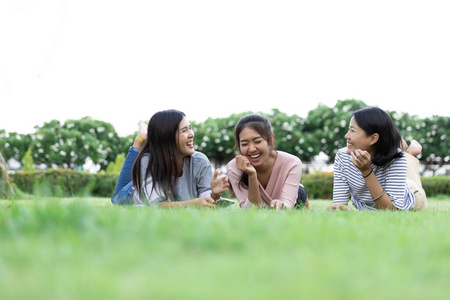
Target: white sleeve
{"type": "Point", "coordinates": [152, 196]}
{"type": "Point", "coordinates": [341, 189]}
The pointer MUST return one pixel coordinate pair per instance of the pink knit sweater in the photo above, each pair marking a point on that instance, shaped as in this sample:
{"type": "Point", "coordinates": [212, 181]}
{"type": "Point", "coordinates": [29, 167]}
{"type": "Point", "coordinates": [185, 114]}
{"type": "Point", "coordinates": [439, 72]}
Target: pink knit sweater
{"type": "Point", "coordinates": [283, 183]}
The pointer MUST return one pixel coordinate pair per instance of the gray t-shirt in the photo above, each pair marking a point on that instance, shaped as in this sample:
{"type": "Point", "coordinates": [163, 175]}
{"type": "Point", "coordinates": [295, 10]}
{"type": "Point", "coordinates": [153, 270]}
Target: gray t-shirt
{"type": "Point", "coordinates": [194, 183]}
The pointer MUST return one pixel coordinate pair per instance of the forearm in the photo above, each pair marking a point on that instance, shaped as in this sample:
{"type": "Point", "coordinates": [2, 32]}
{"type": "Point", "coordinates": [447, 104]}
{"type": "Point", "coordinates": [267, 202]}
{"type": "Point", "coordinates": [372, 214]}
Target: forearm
{"type": "Point", "coordinates": [379, 195]}
{"type": "Point", "coordinates": [254, 195]}
{"type": "Point", "coordinates": [174, 204]}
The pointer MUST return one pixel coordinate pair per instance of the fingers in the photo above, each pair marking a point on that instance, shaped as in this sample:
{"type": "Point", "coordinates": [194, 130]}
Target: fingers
{"type": "Point", "coordinates": [276, 204]}
{"type": "Point", "coordinates": [209, 200]}
{"type": "Point", "coordinates": [219, 185]}
{"type": "Point", "coordinates": [332, 208]}
{"type": "Point", "coordinates": [216, 174]}
{"type": "Point", "coordinates": [336, 207]}
{"type": "Point", "coordinates": [346, 208]}
{"type": "Point", "coordinates": [244, 165]}
{"type": "Point", "coordinates": [361, 159]}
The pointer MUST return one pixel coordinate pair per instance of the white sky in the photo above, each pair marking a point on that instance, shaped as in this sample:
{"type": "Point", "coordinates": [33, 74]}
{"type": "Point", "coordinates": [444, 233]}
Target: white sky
{"type": "Point", "coordinates": [121, 61]}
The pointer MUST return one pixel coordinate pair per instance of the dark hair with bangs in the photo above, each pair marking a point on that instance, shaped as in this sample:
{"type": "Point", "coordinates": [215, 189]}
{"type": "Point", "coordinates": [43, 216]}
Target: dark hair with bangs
{"type": "Point", "coordinates": [257, 123]}
{"type": "Point", "coordinates": [162, 151]}
{"type": "Point", "coordinates": [375, 120]}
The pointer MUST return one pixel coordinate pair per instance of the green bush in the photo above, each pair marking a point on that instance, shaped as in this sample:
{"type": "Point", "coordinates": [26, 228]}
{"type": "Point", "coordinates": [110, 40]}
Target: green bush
{"type": "Point", "coordinates": [318, 185]}
{"type": "Point", "coordinates": [67, 183]}
{"type": "Point", "coordinates": [64, 183]}
{"type": "Point", "coordinates": [435, 186]}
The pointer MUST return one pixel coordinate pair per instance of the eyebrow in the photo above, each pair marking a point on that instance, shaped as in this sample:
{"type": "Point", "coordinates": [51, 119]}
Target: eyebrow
{"type": "Point", "coordinates": [185, 127]}
{"type": "Point", "coordinates": [255, 138]}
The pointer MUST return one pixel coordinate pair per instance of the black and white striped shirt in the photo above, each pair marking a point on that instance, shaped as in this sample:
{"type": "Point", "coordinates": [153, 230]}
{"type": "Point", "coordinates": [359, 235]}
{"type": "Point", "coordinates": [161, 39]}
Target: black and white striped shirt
{"type": "Point", "coordinates": [348, 181]}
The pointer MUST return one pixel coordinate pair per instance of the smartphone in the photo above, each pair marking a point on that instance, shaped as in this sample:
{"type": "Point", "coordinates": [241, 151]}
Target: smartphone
{"type": "Point", "coordinates": [224, 202]}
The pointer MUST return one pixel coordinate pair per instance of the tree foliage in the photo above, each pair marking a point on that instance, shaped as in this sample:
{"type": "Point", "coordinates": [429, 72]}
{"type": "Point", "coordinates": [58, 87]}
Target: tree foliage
{"type": "Point", "coordinates": [28, 162]}
{"type": "Point", "coordinates": [72, 143]}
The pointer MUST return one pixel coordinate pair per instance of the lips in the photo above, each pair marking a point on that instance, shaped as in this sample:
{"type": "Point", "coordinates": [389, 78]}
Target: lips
{"type": "Point", "coordinates": [255, 157]}
{"type": "Point", "coordinates": [190, 144]}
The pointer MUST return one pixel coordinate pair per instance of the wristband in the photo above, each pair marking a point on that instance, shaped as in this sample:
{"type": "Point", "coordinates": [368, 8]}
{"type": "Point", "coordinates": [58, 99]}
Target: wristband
{"type": "Point", "coordinates": [371, 170]}
{"type": "Point", "coordinates": [374, 199]}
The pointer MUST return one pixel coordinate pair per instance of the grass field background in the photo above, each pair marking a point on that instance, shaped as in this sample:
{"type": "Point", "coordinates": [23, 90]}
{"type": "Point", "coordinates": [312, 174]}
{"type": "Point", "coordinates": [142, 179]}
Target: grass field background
{"type": "Point", "coordinates": [85, 248]}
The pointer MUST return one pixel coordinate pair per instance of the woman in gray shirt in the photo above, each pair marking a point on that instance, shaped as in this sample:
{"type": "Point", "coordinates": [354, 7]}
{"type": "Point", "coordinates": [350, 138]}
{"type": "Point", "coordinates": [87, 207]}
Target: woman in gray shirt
{"type": "Point", "coordinates": [163, 169]}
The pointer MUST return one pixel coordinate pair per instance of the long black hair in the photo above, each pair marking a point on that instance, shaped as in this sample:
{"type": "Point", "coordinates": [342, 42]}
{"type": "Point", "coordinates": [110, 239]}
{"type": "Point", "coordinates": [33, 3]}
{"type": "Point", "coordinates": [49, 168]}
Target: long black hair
{"type": "Point", "coordinates": [375, 120]}
{"type": "Point", "coordinates": [165, 161]}
{"type": "Point", "coordinates": [257, 123]}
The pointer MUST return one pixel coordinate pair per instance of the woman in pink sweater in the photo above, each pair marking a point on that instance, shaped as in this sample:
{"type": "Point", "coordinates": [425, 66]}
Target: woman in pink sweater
{"type": "Point", "coordinates": [261, 176]}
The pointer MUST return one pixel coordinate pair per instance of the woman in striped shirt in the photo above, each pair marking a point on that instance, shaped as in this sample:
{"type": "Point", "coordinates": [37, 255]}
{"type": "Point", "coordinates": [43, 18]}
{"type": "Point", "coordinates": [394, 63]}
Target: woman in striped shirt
{"type": "Point", "coordinates": [372, 170]}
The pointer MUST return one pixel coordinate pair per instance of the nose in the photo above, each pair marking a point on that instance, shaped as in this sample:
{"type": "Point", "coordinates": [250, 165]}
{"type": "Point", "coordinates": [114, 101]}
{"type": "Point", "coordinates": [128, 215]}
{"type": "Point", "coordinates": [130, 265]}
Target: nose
{"type": "Point", "coordinates": [251, 147]}
{"type": "Point", "coordinates": [347, 135]}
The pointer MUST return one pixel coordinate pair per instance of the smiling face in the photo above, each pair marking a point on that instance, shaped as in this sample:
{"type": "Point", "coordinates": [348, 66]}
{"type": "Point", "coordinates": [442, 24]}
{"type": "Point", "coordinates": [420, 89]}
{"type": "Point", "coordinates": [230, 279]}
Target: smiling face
{"type": "Point", "coordinates": [357, 138]}
{"type": "Point", "coordinates": [253, 146]}
{"type": "Point", "coordinates": [185, 138]}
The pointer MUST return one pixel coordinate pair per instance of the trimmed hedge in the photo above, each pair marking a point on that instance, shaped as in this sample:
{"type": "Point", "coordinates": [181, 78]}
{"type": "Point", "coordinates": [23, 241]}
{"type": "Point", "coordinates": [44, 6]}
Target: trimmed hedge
{"type": "Point", "coordinates": [437, 185]}
{"type": "Point", "coordinates": [320, 185]}
{"type": "Point", "coordinates": [65, 183]}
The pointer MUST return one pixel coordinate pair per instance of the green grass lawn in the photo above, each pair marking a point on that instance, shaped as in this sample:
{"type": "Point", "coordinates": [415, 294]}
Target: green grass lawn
{"type": "Point", "coordinates": [89, 249]}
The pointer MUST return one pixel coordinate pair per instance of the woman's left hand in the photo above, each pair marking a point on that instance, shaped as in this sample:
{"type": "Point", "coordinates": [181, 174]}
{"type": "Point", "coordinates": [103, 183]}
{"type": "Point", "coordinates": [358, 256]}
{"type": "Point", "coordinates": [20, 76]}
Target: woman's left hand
{"type": "Point", "coordinates": [219, 185]}
{"type": "Point", "coordinates": [362, 160]}
{"type": "Point", "coordinates": [276, 204]}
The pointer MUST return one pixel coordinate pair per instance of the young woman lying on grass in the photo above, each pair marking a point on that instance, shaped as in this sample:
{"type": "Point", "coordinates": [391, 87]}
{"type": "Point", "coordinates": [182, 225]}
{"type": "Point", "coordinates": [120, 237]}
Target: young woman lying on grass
{"type": "Point", "coordinates": [373, 170]}
{"type": "Point", "coordinates": [261, 176]}
{"type": "Point", "coordinates": [163, 169]}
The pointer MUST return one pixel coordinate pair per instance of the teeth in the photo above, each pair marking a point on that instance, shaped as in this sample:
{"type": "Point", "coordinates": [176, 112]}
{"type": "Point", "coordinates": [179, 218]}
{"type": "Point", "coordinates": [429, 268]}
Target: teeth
{"type": "Point", "coordinates": [255, 156]}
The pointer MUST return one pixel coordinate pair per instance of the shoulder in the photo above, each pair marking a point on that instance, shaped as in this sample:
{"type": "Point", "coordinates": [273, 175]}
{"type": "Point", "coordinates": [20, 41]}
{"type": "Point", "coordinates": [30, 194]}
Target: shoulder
{"type": "Point", "coordinates": [144, 160]}
{"type": "Point", "coordinates": [288, 157]}
{"type": "Point", "coordinates": [231, 164]}
{"type": "Point", "coordinates": [287, 161]}
{"type": "Point", "coordinates": [232, 169]}
{"type": "Point", "coordinates": [397, 163]}
{"type": "Point", "coordinates": [198, 163]}
{"type": "Point", "coordinates": [342, 160]}
{"type": "Point", "coordinates": [199, 157]}
{"type": "Point", "coordinates": [342, 154]}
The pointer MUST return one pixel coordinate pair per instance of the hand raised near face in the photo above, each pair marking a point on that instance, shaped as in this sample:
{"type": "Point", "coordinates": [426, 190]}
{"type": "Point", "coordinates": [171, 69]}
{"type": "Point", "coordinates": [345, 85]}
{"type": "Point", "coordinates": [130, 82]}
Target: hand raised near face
{"type": "Point", "coordinates": [362, 160]}
{"type": "Point", "coordinates": [219, 184]}
{"type": "Point", "coordinates": [244, 165]}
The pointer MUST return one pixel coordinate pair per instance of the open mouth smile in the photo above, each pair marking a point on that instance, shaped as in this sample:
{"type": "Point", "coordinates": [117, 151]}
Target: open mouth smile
{"type": "Point", "coordinates": [255, 157]}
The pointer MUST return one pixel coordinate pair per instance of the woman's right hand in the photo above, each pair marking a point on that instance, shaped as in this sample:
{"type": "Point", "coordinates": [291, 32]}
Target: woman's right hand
{"type": "Point", "coordinates": [204, 202]}
{"type": "Point", "coordinates": [244, 165]}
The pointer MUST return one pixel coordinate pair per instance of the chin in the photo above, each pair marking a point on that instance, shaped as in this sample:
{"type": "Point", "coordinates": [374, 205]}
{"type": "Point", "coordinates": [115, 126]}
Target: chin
{"type": "Point", "coordinates": [350, 150]}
